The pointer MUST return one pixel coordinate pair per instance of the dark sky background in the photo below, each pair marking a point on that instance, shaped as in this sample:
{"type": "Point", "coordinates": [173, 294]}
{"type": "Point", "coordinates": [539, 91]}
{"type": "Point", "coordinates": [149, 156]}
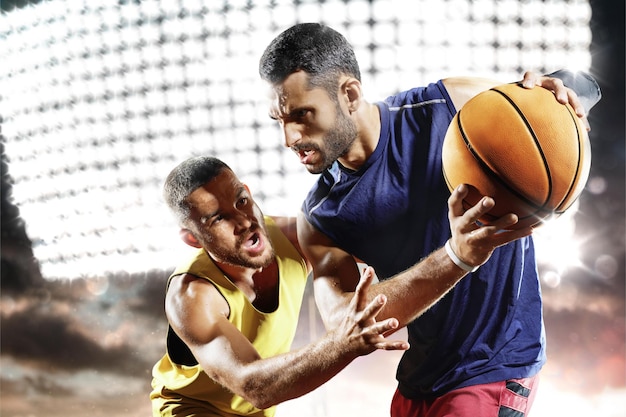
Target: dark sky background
{"type": "Point", "coordinates": [86, 347]}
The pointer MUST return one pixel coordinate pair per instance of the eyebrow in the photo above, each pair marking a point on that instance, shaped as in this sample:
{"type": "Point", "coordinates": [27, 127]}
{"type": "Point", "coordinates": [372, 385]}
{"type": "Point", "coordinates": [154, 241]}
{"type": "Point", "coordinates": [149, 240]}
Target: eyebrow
{"type": "Point", "coordinates": [278, 115]}
{"type": "Point", "coordinates": [205, 218]}
{"type": "Point", "coordinates": [240, 190]}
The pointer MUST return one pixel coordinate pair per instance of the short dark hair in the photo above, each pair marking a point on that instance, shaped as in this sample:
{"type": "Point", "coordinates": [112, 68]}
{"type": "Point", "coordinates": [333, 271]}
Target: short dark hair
{"type": "Point", "coordinates": [185, 179]}
{"type": "Point", "coordinates": [323, 53]}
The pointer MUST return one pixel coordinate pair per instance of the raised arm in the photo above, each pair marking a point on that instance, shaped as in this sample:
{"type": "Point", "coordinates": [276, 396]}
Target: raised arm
{"type": "Point", "coordinates": [198, 314]}
{"type": "Point", "coordinates": [580, 90]}
{"type": "Point", "coordinates": [413, 291]}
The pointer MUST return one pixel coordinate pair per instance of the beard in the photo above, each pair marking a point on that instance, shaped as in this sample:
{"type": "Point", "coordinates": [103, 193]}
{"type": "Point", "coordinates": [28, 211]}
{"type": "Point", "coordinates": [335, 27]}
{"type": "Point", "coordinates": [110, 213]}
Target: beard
{"type": "Point", "coordinates": [238, 257]}
{"type": "Point", "coordinates": [336, 143]}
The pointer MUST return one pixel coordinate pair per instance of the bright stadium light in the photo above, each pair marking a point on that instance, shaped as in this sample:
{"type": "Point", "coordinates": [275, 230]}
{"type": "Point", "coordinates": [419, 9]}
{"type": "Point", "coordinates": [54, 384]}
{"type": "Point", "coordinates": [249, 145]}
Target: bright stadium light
{"type": "Point", "coordinates": [557, 245]}
{"type": "Point", "coordinates": [100, 100]}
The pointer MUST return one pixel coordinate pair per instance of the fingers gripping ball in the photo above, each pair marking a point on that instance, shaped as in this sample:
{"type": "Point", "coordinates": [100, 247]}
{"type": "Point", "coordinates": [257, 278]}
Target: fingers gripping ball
{"type": "Point", "coordinates": [521, 147]}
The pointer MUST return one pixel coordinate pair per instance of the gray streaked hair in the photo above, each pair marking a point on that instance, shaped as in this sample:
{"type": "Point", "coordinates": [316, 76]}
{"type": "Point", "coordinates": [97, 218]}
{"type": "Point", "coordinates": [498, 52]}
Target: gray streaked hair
{"type": "Point", "coordinates": [185, 179]}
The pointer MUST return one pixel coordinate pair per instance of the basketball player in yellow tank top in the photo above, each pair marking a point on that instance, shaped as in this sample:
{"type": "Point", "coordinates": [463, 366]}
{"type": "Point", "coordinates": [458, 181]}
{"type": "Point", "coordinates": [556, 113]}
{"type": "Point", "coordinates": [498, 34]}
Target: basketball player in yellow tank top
{"type": "Point", "coordinates": [233, 307]}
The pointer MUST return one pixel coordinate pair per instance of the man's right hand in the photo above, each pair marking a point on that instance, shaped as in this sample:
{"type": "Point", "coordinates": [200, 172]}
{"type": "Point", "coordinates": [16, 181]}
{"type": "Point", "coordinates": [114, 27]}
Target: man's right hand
{"type": "Point", "coordinates": [472, 242]}
{"type": "Point", "coordinates": [359, 329]}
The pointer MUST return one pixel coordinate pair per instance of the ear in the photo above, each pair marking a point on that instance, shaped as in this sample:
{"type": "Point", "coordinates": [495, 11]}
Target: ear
{"type": "Point", "coordinates": [189, 238]}
{"type": "Point", "coordinates": [351, 89]}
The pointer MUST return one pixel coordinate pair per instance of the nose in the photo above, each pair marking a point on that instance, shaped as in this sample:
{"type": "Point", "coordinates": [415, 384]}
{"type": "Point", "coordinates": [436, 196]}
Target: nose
{"type": "Point", "coordinates": [292, 134]}
{"type": "Point", "coordinates": [242, 221]}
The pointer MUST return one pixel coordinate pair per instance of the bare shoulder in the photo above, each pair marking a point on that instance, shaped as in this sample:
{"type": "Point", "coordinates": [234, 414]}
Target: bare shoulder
{"type": "Point", "coordinates": [461, 89]}
{"type": "Point", "coordinates": [188, 285]}
{"type": "Point", "coordinates": [189, 296]}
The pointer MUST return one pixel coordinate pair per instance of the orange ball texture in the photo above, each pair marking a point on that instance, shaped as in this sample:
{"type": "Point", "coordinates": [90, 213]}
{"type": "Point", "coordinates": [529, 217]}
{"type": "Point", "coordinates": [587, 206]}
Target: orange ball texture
{"type": "Point", "coordinates": [521, 147]}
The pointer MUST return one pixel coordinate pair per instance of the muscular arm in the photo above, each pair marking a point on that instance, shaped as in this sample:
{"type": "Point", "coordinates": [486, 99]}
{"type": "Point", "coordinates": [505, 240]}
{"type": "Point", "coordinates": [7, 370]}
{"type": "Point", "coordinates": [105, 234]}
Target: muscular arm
{"type": "Point", "coordinates": [582, 91]}
{"type": "Point", "coordinates": [413, 291]}
{"type": "Point", "coordinates": [461, 89]}
{"type": "Point", "coordinates": [198, 314]}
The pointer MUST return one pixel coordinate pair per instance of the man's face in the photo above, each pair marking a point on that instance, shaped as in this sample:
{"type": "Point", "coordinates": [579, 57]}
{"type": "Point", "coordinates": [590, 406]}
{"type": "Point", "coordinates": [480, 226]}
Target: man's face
{"type": "Point", "coordinates": [316, 127]}
{"type": "Point", "coordinates": [229, 224]}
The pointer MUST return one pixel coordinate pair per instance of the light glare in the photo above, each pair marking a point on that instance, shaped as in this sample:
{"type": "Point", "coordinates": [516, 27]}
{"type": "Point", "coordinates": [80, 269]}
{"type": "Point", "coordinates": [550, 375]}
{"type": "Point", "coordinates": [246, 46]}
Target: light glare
{"type": "Point", "coordinates": [103, 100]}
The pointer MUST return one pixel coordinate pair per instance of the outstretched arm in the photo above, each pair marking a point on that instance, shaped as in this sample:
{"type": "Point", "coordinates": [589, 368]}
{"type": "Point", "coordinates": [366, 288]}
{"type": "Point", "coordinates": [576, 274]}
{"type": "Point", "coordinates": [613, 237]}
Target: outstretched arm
{"type": "Point", "coordinates": [198, 314]}
{"type": "Point", "coordinates": [413, 291]}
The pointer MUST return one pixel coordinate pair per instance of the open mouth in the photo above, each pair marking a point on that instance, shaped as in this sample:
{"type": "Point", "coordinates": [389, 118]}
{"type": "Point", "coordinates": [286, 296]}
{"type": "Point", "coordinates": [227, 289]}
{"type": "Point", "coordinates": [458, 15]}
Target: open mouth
{"type": "Point", "coordinates": [254, 245]}
{"type": "Point", "coordinates": [305, 154]}
{"type": "Point", "coordinates": [253, 240]}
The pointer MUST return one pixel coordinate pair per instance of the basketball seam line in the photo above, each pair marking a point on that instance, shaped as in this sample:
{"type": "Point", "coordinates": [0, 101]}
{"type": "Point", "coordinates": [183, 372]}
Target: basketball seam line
{"type": "Point", "coordinates": [574, 181]}
{"type": "Point", "coordinates": [537, 144]}
{"type": "Point", "coordinates": [537, 208]}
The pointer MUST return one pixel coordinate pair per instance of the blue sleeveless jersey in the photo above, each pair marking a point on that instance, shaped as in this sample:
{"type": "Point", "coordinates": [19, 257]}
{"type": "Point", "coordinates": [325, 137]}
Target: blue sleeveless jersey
{"type": "Point", "coordinates": [392, 213]}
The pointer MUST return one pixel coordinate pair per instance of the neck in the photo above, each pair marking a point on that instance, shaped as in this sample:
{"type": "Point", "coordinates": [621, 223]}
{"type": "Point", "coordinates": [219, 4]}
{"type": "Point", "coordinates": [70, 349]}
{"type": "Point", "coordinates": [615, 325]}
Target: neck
{"type": "Point", "coordinates": [367, 120]}
{"type": "Point", "coordinates": [259, 285]}
{"type": "Point", "coordinates": [237, 273]}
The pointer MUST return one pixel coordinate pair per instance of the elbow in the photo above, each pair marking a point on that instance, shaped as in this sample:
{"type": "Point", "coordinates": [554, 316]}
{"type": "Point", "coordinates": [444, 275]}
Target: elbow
{"type": "Point", "coordinates": [253, 389]}
{"type": "Point", "coordinates": [332, 321]}
{"type": "Point", "coordinates": [259, 396]}
{"type": "Point", "coordinates": [263, 404]}
{"type": "Point", "coordinates": [331, 315]}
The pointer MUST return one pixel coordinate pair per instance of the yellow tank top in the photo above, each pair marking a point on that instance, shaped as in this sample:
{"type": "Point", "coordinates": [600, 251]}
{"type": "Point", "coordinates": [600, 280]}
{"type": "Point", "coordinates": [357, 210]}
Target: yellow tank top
{"type": "Point", "coordinates": [181, 387]}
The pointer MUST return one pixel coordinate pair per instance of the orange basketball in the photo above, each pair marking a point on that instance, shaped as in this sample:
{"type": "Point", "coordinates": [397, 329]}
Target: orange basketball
{"type": "Point", "coordinates": [521, 147]}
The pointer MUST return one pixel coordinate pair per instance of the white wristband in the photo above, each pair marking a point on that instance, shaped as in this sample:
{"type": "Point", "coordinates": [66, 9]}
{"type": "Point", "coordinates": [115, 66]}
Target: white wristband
{"type": "Point", "coordinates": [457, 261]}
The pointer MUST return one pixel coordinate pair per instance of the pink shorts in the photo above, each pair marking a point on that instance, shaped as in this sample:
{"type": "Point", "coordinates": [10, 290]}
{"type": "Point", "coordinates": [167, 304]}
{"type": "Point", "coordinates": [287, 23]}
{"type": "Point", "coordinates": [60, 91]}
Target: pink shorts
{"type": "Point", "coordinates": [511, 398]}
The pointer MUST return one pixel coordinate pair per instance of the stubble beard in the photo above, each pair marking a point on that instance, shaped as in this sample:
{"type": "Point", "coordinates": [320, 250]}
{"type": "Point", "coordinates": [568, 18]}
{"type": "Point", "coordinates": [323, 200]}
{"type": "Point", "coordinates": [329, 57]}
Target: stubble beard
{"type": "Point", "coordinates": [238, 257]}
{"type": "Point", "coordinates": [336, 143]}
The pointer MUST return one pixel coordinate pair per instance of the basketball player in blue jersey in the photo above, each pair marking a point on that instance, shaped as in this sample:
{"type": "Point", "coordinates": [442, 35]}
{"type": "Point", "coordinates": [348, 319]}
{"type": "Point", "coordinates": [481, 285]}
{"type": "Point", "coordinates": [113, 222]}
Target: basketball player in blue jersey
{"type": "Point", "coordinates": [478, 343]}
